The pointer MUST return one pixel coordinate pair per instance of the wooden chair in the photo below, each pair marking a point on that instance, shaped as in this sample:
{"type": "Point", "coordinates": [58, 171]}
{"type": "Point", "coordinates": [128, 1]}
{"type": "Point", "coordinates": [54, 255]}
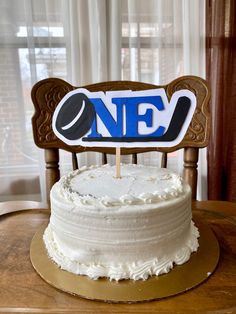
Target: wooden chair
{"type": "Point", "coordinates": [47, 93]}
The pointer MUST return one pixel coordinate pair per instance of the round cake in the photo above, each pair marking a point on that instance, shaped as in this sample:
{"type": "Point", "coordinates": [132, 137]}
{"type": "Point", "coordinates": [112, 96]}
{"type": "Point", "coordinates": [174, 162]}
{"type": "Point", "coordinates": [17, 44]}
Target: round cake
{"type": "Point", "coordinates": [131, 227]}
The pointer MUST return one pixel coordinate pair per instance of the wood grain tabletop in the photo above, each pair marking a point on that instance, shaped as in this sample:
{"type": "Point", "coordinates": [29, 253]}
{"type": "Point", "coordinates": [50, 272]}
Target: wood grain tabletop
{"type": "Point", "coordinates": [23, 291]}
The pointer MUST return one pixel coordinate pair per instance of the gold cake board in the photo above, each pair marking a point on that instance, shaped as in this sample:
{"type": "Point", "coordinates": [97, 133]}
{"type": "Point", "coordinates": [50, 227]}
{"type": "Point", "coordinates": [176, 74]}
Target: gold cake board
{"type": "Point", "coordinates": [180, 279]}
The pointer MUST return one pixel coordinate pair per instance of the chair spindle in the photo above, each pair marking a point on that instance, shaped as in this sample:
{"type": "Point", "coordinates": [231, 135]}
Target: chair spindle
{"type": "Point", "coordinates": [104, 158]}
{"type": "Point", "coordinates": [74, 161]}
{"type": "Point", "coordinates": [134, 158]}
{"type": "Point", "coordinates": [164, 160]}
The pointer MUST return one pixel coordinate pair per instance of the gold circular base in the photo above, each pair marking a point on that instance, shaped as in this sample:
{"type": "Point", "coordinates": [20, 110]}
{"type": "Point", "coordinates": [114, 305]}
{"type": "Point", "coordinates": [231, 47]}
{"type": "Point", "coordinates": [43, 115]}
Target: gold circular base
{"type": "Point", "coordinates": [179, 279]}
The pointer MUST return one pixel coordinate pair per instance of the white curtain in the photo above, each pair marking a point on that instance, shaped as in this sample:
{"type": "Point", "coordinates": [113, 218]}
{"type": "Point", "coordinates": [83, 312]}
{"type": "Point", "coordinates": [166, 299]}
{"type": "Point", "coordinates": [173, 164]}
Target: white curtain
{"type": "Point", "coordinates": [87, 41]}
{"type": "Point", "coordinates": [93, 42]}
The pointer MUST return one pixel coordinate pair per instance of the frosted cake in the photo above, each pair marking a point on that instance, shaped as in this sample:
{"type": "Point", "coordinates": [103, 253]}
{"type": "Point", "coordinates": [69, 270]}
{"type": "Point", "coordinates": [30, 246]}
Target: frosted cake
{"type": "Point", "coordinates": [129, 228]}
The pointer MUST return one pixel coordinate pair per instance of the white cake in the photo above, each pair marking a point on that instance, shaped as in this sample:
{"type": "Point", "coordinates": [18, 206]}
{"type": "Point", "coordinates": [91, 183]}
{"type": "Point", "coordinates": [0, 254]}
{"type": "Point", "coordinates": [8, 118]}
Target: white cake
{"type": "Point", "coordinates": [128, 228]}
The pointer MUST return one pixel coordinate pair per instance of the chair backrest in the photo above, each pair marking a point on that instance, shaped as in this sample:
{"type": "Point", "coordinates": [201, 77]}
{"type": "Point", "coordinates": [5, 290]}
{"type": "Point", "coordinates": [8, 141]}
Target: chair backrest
{"type": "Point", "coordinates": [47, 93]}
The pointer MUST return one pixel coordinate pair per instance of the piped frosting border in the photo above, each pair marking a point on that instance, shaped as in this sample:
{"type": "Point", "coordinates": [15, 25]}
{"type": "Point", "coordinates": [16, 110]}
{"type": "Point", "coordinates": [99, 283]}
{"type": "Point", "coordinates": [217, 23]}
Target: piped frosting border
{"type": "Point", "coordinates": [106, 201]}
{"type": "Point", "coordinates": [139, 270]}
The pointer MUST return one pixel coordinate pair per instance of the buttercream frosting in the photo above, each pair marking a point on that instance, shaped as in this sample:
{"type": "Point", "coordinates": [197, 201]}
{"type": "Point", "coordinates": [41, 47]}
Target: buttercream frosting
{"type": "Point", "coordinates": [128, 228]}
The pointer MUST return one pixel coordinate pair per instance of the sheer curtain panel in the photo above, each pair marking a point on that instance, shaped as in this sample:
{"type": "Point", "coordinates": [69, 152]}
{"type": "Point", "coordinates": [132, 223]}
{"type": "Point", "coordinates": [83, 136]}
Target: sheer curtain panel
{"type": "Point", "coordinates": [32, 47]}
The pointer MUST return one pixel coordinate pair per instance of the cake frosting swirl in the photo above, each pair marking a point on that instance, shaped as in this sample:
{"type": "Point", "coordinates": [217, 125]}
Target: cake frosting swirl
{"type": "Point", "coordinates": [128, 228]}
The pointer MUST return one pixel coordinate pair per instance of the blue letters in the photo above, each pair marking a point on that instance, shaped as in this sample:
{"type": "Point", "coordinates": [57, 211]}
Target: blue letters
{"type": "Point", "coordinates": [114, 127]}
{"type": "Point", "coordinates": [130, 106]}
{"type": "Point", "coordinates": [132, 117]}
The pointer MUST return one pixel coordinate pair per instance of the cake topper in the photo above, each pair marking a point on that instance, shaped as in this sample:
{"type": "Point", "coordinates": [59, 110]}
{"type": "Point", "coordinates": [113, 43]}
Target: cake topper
{"type": "Point", "coordinates": [123, 118]}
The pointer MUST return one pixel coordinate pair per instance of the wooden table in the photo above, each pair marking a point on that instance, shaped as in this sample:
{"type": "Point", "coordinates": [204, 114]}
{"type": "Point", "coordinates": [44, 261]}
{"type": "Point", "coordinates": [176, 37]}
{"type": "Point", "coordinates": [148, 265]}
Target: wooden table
{"type": "Point", "coordinates": [23, 291]}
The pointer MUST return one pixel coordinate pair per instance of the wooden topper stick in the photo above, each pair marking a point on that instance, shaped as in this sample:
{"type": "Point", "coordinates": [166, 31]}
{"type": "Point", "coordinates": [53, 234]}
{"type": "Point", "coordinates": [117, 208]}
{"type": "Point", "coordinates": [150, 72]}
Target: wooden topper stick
{"type": "Point", "coordinates": [118, 162]}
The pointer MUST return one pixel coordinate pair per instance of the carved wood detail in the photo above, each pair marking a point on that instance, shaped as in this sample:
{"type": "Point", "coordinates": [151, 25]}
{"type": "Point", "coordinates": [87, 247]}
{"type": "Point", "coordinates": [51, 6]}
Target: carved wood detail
{"type": "Point", "coordinates": [197, 134]}
{"type": "Point", "coordinates": [46, 95]}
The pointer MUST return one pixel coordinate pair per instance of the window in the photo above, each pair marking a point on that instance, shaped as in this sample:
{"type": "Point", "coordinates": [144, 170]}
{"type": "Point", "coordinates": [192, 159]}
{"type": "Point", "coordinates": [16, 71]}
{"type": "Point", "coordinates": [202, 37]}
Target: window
{"type": "Point", "coordinates": [152, 41]}
{"type": "Point", "coordinates": [32, 47]}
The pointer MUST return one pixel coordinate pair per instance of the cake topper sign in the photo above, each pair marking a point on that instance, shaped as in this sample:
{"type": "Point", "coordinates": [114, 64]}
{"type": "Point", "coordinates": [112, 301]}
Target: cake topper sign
{"type": "Point", "coordinates": [124, 118]}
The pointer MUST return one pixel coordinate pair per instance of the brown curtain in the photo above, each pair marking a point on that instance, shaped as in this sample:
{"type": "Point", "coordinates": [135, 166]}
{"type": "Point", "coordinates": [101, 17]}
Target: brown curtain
{"type": "Point", "coordinates": [221, 75]}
